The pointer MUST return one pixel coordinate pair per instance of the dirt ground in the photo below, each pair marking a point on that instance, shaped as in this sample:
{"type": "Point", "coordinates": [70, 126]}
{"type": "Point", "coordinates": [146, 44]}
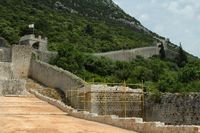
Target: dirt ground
{"type": "Point", "coordinates": [31, 115]}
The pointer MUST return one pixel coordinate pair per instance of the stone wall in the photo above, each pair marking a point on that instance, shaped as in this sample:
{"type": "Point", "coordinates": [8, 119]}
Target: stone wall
{"type": "Point", "coordinates": [6, 71]}
{"type": "Point", "coordinates": [128, 55]}
{"type": "Point", "coordinates": [21, 56]}
{"type": "Point", "coordinates": [5, 55]}
{"type": "Point", "coordinates": [12, 87]}
{"type": "Point", "coordinates": [46, 56]}
{"type": "Point", "coordinates": [32, 39]}
{"type": "Point", "coordinates": [176, 109]}
{"type": "Point", "coordinates": [54, 77]}
{"type": "Point", "coordinates": [131, 123]}
{"type": "Point", "coordinates": [116, 100]}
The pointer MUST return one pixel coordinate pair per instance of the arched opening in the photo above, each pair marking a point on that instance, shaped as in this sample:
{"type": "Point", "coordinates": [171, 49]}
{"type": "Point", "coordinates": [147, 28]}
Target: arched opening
{"type": "Point", "coordinates": [36, 45]}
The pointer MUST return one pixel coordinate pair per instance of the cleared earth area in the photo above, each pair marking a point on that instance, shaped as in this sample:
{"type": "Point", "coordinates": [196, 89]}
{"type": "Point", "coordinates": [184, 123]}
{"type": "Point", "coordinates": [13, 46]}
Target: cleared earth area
{"type": "Point", "coordinates": [31, 115]}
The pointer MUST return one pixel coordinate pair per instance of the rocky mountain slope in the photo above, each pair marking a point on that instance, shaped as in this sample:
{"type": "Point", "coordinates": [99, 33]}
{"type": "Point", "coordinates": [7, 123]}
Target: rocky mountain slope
{"type": "Point", "coordinates": [91, 25]}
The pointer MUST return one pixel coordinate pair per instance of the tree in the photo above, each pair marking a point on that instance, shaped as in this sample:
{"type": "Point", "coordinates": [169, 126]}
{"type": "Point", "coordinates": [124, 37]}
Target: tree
{"type": "Point", "coordinates": [162, 51]}
{"type": "Point", "coordinates": [89, 30]}
{"type": "Point", "coordinates": [182, 57]}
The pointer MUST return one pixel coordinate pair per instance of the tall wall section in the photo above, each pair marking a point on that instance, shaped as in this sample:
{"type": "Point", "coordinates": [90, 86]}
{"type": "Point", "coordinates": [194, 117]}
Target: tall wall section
{"type": "Point", "coordinates": [21, 57]}
{"type": "Point", "coordinates": [54, 77]}
{"type": "Point", "coordinates": [175, 109]}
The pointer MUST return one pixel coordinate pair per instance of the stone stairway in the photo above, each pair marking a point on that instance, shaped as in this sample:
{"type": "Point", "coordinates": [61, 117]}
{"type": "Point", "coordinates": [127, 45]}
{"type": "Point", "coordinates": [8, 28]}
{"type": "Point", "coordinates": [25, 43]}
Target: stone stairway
{"type": "Point", "coordinates": [10, 84]}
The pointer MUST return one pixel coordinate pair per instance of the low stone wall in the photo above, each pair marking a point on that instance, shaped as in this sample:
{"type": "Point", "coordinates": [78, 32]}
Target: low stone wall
{"type": "Point", "coordinates": [175, 109]}
{"type": "Point", "coordinates": [12, 87]}
{"type": "Point", "coordinates": [54, 77]}
{"type": "Point", "coordinates": [5, 55]}
{"type": "Point", "coordinates": [132, 123]}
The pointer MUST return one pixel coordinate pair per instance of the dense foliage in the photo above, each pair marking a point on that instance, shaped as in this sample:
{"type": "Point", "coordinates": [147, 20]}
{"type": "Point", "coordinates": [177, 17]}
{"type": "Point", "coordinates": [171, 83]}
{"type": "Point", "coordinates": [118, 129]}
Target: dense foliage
{"type": "Point", "coordinates": [158, 75]}
{"type": "Point", "coordinates": [76, 28]}
{"type": "Point", "coordinates": [94, 33]}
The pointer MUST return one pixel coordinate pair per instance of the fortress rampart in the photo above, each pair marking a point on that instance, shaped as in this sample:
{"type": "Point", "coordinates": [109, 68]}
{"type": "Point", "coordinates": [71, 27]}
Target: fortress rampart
{"type": "Point", "coordinates": [26, 61]}
{"type": "Point", "coordinates": [129, 55]}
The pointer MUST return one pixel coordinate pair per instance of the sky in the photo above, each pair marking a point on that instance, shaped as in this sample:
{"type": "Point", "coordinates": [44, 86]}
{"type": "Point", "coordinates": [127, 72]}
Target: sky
{"type": "Point", "coordinates": [178, 20]}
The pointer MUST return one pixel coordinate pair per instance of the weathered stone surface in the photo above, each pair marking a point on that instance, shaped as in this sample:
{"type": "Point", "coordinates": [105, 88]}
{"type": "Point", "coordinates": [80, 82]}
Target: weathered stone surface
{"type": "Point", "coordinates": [176, 109]}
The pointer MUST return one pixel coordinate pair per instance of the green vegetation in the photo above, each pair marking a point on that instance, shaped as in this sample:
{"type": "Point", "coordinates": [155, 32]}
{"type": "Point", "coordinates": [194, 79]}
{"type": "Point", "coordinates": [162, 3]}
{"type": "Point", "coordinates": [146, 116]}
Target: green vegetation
{"type": "Point", "coordinates": [158, 75]}
{"type": "Point", "coordinates": [95, 33]}
{"type": "Point", "coordinates": [76, 28]}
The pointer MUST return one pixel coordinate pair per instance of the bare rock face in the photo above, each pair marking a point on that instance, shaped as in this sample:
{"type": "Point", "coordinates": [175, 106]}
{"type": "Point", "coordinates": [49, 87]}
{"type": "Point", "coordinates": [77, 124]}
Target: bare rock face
{"type": "Point", "coordinates": [3, 42]}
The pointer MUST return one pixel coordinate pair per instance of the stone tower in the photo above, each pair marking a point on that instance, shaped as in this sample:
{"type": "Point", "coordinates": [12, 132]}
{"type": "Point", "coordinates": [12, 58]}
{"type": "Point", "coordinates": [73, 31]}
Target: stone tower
{"type": "Point", "coordinates": [37, 43]}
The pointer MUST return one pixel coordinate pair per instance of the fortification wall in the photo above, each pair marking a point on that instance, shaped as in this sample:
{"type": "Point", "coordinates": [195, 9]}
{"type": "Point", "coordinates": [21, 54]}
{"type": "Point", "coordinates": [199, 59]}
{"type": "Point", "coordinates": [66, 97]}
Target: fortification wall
{"type": "Point", "coordinates": [46, 56]}
{"type": "Point", "coordinates": [107, 100]}
{"type": "Point", "coordinates": [12, 87]}
{"type": "Point", "coordinates": [116, 100]}
{"type": "Point", "coordinates": [31, 39]}
{"type": "Point", "coordinates": [128, 55]}
{"type": "Point", "coordinates": [173, 108]}
{"type": "Point", "coordinates": [6, 71]}
{"type": "Point", "coordinates": [21, 56]}
{"type": "Point", "coordinates": [5, 55]}
{"type": "Point", "coordinates": [54, 77]}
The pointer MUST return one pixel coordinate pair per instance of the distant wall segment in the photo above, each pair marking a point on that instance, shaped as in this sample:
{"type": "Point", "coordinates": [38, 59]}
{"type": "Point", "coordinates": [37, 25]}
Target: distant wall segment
{"type": "Point", "coordinates": [129, 55]}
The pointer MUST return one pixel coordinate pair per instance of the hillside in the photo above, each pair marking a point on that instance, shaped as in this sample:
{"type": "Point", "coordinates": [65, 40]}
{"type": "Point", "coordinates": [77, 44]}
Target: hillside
{"type": "Point", "coordinates": [89, 25]}
{"type": "Point", "coordinates": [78, 27]}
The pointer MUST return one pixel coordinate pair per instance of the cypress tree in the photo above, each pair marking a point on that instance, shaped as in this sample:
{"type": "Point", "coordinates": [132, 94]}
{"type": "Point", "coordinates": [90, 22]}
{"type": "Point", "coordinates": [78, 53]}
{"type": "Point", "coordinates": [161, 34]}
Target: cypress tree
{"type": "Point", "coordinates": [162, 51]}
{"type": "Point", "coordinates": [182, 57]}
